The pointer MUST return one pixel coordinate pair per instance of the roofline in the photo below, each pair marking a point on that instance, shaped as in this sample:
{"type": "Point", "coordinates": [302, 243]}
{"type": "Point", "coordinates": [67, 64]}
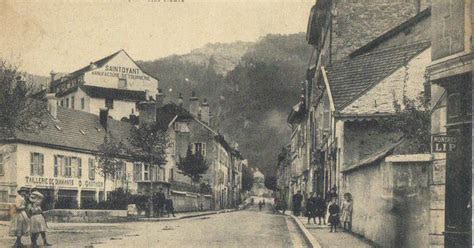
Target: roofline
{"type": "Point", "coordinates": [392, 32]}
{"type": "Point", "coordinates": [205, 125]}
{"type": "Point", "coordinates": [345, 104]}
{"type": "Point", "coordinates": [139, 66]}
{"type": "Point", "coordinates": [326, 82]}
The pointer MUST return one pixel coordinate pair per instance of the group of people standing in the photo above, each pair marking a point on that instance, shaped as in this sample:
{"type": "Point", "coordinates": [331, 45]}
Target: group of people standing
{"type": "Point", "coordinates": [326, 209]}
{"type": "Point", "coordinates": [27, 217]}
{"type": "Point", "coordinates": [160, 204]}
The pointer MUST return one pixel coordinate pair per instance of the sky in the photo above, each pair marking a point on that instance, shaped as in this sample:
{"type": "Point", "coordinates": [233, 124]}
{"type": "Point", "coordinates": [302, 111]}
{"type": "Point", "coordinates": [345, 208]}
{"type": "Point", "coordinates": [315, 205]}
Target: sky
{"type": "Point", "coordinates": [41, 36]}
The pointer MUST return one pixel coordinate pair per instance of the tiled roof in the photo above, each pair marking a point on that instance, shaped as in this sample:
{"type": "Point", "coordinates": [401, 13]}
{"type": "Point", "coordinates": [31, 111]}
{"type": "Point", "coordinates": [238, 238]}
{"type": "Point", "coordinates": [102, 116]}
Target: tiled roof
{"type": "Point", "coordinates": [349, 79]}
{"type": "Point", "coordinates": [168, 112]}
{"type": "Point", "coordinates": [76, 130]}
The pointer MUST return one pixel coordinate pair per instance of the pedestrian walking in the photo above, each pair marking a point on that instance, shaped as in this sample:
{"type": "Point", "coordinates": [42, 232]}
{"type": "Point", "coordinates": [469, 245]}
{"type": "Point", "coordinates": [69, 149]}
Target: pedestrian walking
{"type": "Point", "coordinates": [346, 212]}
{"type": "Point", "coordinates": [297, 199]}
{"type": "Point", "coordinates": [334, 214]}
{"type": "Point", "coordinates": [37, 220]}
{"type": "Point", "coordinates": [283, 206]}
{"type": "Point", "coordinates": [260, 205]}
{"type": "Point", "coordinates": [160, 202]}
{"type": "Point", "coordinates": [311, 208]}
{"type": "Point", "coordinates": [169, 207]}
{"type": "Point", "coordinates": [320, 204]}
{"type": "Point", "coordinates": [19, 225]}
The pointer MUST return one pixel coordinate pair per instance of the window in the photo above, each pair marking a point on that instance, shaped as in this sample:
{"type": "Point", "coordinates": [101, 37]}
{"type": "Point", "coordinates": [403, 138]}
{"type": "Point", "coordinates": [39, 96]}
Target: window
{"type": "Point", "coordinates": [200, 148]}
{"type": "Point", "coordinates": [122, 173]}
{"type": "Point", "coordinates": [122, 84]}
{"type": "Point", "coordinates": [72, 102]}
{"type": "Point", "coordinates": [2, 165]}
{"type": "Point", "coordinates": [172, 149]}
{"type": "Point", "coordinates": [146, 172]}
{"type": "Point", "coordinates": [83, 104]}
{"type": "Point", "coordinates": [91, 169]}
{"type": "Point", "coordinates": [67, 171]}
{"type": "Point", "coordinates": [109, 103]}
{"type": "Point", "coordinates": [58, 165]}
{"type": "Point", "coordinates": [36, 164]}
{"type": "Point", "coordinates": [67, 102]}
{"type": "Point", "coordinates": [76, 167]}
{"type": "Point", "coordinates": [3, 196]}
{"type": "Point", "coordinates": [62, 103]}
{"type": "Point", "coordinates": [137, 171]}
{"type": "Point", "coordinates": [171, 174]}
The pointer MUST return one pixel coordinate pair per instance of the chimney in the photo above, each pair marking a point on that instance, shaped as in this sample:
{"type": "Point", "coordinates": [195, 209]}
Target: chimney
{"type": "Point", "coordinates": [160, 98]}
{"type": "Point", "coordinates": [194, 105]}
{"type": "Point", "coordinates": [52, 105]}
{"type": "Point", "coordinates": [53, 75]}
{"type": "Point", "coordinates": [147, 95]}
{"type": "Point", "coordinates": [180, 100]}
{"type": "Point", "coordinates": [103, 117]}
{"type": "Point", "coordinates": [146, 112]}
{"type": "Point", "coordinates": [205, 113]}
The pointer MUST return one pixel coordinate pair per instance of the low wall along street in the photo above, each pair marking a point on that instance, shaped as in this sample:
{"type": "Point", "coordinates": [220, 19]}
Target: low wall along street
{"type": "Point", "coordinates": [399, 193]}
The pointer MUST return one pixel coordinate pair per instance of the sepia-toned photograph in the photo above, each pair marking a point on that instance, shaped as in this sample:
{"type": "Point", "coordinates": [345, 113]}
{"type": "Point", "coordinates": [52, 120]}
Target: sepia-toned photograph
{"type": "Point", "coordinates": [236, 123]}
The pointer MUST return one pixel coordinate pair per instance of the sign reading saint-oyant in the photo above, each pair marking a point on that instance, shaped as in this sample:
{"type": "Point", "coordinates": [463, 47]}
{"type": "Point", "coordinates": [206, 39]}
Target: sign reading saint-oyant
{"type": "Point", "coordinates": [121, 72]}
{"type": "Point", "coordinates": [443, 143]}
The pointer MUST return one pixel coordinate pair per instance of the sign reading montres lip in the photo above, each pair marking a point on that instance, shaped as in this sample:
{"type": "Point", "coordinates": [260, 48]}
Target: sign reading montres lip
{"type": "Point", "coordinates": [443, 143]}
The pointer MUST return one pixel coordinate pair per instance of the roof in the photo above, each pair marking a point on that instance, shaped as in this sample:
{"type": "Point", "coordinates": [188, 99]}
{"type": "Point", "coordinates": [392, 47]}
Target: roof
{"type": "Point", "coordinates": [166, 114]}
{"type": "Point", "coordinates": [107, 93]}
{"type": "Point", "coordinates": [373, 158]}
{"type": "Point", "coordinates": [76, 130]}
{"type": "Point", "coordinates": [351, 78]}
{"type": "Point", "coordinates": [392, 32]}
{"type": "Point", "coordinates": [98, 63]}
{"type": "Point", "coordinates": [297, 113]}
{"type": "Point", "coordinates": [219, 138]}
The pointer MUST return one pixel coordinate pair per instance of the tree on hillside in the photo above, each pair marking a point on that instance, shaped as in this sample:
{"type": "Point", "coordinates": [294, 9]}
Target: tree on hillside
{"type": "Point", "coordinates": [148, 144]}
{"type": "Point", "coordinates": [271, 183]}
{"type": "Point", "coordinates": [18, 111]}
{"type": "Point", "coordinates": [108, 158]}
{"type": "Point", "coordinates": [193, 165]}
{"type": "Point", "coordinates": [247, 178]}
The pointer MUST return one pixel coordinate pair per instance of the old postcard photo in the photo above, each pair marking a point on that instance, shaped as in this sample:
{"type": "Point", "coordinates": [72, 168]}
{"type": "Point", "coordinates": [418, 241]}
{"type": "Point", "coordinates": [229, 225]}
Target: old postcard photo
{"type": "Point", "coordinates": [236, 123]}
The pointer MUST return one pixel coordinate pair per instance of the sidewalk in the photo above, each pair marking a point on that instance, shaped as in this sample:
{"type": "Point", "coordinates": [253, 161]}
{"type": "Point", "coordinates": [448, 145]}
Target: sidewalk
{"type": "Point", "coordinates": [324, 238]}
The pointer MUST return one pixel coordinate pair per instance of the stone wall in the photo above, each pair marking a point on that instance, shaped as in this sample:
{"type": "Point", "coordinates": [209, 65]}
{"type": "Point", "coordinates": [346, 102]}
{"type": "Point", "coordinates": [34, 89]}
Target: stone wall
{"type": "Point", "coordinates": [398, 192]}
{"type": "Point", "coordinates": [357, 22]}
{"type": "Point", "coordinates": [447, 23]}
{"type": "Point", "coordinates": [187, 202]}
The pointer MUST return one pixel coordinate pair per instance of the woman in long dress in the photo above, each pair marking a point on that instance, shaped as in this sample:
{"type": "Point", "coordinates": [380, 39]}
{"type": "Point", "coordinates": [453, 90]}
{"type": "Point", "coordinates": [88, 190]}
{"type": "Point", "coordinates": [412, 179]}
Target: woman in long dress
{"type": "Point", "coordinates": [19, 225]}
{"type": "Point", "coordinates": [38, 223]}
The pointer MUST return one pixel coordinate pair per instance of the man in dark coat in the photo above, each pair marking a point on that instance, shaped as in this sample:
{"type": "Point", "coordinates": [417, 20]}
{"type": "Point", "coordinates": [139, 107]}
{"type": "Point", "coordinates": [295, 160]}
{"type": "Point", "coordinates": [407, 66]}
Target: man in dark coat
{"type": "Point", "coordinates": [320, 205]}
{"type": "Point", "coordinates": [297, 199]}
{"type": "Point", "coordinates": [160, 202]}
{"type": "Point", "coordinates": [311, 208]}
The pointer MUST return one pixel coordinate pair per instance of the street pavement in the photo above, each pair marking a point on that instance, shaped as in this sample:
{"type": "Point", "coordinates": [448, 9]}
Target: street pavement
{"type": "Point", "coordinates": [247, 228]}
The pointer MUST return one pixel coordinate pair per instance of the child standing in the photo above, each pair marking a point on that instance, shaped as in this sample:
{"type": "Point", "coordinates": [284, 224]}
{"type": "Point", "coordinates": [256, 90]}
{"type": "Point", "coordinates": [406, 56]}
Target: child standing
{"type": "Point", "coordinates": [346, 215]}
{"type": "Point", "coordinates": [334, 214]}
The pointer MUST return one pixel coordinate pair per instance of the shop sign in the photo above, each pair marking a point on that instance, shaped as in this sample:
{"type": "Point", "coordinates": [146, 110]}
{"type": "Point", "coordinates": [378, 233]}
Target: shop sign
{"type": "Point", "coordinates": [90, 184]}
{"type": "Point", "coordinates": [50, 181]}
{"type": "Point", "coordinates": [443, 143]}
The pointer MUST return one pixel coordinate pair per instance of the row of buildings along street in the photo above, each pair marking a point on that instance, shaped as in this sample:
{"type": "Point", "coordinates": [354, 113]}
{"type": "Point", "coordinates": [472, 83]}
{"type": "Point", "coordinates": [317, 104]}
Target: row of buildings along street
{"type": "Point", "coordinates": [387, 120]}
{"type": "Point", "coordinates": [106, 103]}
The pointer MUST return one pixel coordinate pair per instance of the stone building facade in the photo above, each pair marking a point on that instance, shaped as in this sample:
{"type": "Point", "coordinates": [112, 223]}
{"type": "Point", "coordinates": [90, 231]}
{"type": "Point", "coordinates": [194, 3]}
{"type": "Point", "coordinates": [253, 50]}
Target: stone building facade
{"type": "Point", "coordinates": [450, 74]}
